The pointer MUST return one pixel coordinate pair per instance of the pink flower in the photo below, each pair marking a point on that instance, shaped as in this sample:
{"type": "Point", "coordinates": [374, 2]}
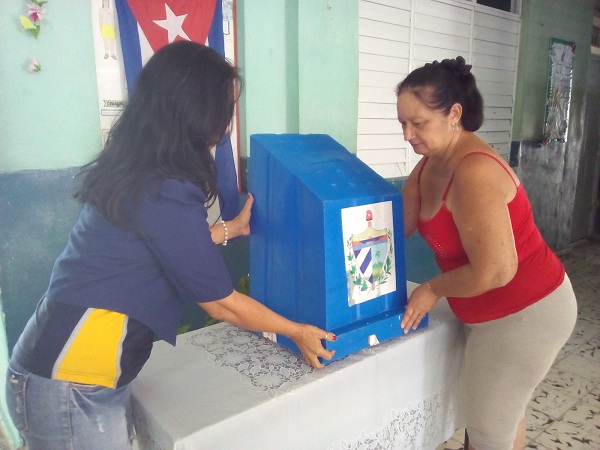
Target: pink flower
{"type": "Point", "coordinates": [35, 12]}
{"type": "Point", "coordinates": [34, 65]}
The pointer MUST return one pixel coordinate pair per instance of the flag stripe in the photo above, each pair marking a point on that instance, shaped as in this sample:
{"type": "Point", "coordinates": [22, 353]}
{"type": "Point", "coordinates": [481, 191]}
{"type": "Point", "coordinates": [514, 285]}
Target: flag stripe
{"type": "Point", "coordinates": [130, 43]}
{"type": "Point", "coordinates": [227, 179]}
{"type": "Point", "coordinates": [226, 176]}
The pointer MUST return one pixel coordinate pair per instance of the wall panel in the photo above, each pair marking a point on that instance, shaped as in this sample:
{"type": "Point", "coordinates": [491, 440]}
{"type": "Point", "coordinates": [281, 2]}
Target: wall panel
{"type": "Point", "coordinates": [397, 36]}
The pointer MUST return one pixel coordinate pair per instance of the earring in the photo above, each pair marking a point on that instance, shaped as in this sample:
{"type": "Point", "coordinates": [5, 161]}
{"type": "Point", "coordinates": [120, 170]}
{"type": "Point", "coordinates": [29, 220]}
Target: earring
{"type": "Point", "coordinates": [455, 127]}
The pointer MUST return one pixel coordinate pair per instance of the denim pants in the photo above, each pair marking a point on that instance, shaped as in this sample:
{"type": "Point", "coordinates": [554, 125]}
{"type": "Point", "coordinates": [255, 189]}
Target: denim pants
{"type": "Point", "coordinates": [59, 415]}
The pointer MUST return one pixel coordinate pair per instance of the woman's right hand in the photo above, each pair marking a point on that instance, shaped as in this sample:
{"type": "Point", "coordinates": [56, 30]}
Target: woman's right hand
{"type": "Point", "coordinates": [421, 301]}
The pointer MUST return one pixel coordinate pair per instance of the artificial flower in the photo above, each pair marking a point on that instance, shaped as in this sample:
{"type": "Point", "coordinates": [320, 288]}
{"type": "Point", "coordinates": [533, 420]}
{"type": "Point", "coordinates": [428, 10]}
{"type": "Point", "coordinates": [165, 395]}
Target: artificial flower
{"type": "Point", "coordinates": [34, 66]}
{"type": "Point", "coordinates": [36, 12]}
{"type": "Point", "coordinates": [28, 25]}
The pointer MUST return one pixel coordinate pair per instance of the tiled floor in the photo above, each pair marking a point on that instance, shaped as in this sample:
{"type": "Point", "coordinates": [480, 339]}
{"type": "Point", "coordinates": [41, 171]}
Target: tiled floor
{"type": "Point", "coordinates": [564, 413]}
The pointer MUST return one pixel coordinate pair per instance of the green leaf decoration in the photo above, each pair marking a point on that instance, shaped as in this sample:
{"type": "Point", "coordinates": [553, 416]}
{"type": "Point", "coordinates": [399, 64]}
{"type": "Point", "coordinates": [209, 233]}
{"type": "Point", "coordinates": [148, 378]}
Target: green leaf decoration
{"type": "Point", "coordinates": [27, 23]}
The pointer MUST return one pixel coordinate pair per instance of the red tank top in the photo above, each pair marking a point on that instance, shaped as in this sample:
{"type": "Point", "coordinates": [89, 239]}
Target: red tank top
{"type": "Point", "coordinates": [539, 270]}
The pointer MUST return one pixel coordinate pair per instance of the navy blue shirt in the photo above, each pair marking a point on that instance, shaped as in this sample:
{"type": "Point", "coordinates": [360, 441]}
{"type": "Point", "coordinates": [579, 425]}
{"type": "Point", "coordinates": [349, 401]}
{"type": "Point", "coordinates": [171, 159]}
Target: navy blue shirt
{"type": "Point", "coordinates": [149, 280]}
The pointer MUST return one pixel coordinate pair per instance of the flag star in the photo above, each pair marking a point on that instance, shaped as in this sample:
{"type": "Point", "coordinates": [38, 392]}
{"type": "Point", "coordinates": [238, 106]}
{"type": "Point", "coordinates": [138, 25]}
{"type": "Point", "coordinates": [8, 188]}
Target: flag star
{"type": "Point", "coordinates": [173, 24]}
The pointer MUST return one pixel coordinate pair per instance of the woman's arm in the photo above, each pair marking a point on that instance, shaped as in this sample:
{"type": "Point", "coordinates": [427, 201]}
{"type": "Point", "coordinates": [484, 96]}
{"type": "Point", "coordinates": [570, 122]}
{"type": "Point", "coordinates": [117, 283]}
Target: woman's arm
{"type": "Point", "coordinates": [479, 195]}
{"type": "Point", "coordinates": [245, 312]}
{"type": "Point", "coordinates": [411, 200]}
{"type": "Point", "coordinates": [240, 226]}
{"type": "Point", "coordinates": [480, 210]}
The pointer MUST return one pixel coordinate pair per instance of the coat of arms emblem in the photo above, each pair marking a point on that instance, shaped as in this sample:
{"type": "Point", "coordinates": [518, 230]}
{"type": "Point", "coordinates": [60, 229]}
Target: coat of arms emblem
{"type": "Point", "coordinates": [369, 260]}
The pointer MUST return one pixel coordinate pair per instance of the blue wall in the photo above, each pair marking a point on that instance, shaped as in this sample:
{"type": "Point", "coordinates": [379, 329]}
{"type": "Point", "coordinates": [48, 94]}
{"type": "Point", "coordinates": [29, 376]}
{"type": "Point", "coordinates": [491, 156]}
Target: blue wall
{"type": "Point", "coordinates": [36, 213]}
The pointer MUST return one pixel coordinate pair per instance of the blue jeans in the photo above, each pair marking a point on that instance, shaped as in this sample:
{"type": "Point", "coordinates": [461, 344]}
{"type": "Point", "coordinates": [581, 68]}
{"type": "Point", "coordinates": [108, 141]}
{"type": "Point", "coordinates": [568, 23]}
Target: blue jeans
{"type": "Point", "coordinates": [59, 415]}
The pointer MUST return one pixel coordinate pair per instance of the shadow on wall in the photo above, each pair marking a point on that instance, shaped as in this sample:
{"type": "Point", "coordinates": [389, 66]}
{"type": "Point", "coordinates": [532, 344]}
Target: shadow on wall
{"type": "Point", "coordinates": [37, 211]}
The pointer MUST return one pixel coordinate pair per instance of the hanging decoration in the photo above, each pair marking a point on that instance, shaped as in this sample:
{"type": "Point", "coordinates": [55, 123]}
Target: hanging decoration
{"type": "Point", "coordinates": [34, 66]}
{"type": "Point", "coordinates": [35, 14]}
{"type": "Point", "coordinates": [558, 95]}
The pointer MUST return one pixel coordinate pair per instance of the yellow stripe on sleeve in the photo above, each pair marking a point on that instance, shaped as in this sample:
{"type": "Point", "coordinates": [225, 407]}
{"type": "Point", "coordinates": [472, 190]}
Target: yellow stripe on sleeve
{"type": "Point", "coordinates": [92, 353]}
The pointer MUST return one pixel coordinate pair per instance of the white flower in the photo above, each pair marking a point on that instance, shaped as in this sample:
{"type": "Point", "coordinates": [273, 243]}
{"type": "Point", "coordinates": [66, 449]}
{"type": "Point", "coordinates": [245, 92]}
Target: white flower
{"type": "Point", "coordinates": [35, 12]}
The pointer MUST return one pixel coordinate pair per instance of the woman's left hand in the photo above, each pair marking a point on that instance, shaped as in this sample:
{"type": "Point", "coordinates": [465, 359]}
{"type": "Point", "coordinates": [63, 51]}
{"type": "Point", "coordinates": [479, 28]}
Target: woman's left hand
{"type": "Point", "coordinates": [421, 301]}
{"type": "Point", "coordinates": [242, 311]}
{"type": "Point", "coordinates": [238, 226]}
{"type": "Point", "coordinates": [309, 340]}
{"type": "Point", "coordinates": [241, 224]}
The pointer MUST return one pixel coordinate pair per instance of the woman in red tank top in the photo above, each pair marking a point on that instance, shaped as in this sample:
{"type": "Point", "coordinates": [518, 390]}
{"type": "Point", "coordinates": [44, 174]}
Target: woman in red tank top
{"type": "Point", "coordinates": [499, 276]}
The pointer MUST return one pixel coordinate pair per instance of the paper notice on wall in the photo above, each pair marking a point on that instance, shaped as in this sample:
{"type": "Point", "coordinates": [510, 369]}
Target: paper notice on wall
{"type": "Point", "coordinates": [112, 88]}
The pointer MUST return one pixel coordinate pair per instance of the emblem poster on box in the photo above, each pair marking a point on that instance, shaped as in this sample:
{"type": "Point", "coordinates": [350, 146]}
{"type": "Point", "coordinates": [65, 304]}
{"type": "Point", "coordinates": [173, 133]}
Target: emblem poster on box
{"type": "Point", "coordinates": [369, 243]}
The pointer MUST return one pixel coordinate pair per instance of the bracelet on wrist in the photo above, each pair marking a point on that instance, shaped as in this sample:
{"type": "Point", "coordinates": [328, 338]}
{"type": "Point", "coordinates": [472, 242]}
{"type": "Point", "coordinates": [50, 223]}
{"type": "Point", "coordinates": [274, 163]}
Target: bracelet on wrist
{"type": "Point", "coordinates": [225, 230]}
{"type": "Point", "coordinates": [428, 284]}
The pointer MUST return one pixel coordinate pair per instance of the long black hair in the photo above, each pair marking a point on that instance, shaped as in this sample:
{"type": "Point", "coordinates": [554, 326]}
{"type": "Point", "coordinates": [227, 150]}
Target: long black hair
{"type": "Point", "coordinates": [182, 105]}
{"type": "Point", "coordinates": [442, 84]}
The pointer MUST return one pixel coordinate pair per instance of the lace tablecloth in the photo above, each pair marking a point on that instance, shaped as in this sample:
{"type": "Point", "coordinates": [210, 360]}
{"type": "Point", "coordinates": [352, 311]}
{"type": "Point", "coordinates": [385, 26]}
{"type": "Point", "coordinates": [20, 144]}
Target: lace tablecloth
{"type": "Point", "coordinates": [226, 388]}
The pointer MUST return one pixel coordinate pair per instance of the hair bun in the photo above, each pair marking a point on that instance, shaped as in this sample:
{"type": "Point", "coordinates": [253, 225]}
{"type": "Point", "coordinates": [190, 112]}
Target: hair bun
{"type": "Point", "coordinates": [457, 66]}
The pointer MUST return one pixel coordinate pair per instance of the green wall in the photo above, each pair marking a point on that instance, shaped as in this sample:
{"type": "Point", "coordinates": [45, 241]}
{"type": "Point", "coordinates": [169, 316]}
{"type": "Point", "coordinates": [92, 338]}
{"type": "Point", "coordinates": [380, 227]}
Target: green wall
{"type": "Point", "coordinates": [328, 56]}
{"type": "Point", "coordinates": [267, 58]}
{"type": "Point", "coordinates": [542, 20]}
{"type": "Point", "coordinates": [299, 60]}
{"type": "Point", "coordinates": [48, 119]}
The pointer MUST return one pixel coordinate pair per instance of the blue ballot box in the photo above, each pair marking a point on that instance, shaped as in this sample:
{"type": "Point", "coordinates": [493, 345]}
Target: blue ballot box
{"type": "Point", "coordinates": [327, 240]}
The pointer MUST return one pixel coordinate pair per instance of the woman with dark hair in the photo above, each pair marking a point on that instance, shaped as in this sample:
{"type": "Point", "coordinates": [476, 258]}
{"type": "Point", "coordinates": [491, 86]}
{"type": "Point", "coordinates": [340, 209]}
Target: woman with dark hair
{"type": "Point", "coordinates": [499, 276]}
{"type": "Point", "coordinates": [141, 249]}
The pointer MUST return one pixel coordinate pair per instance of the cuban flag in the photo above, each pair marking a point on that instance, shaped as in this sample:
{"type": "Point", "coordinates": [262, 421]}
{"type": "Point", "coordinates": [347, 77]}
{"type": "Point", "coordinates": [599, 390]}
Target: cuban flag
{"type": "Point", "coordinates": [147, 25]}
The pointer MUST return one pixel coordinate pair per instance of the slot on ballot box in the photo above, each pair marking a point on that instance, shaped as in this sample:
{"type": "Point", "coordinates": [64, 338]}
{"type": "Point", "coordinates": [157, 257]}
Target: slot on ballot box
{"type": "Point", "coordinates": [327, 240]}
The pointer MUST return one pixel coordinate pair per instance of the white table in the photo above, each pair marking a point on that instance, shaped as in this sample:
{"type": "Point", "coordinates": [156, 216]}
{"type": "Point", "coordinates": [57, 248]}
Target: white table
{"type": "Point", "coordinates": [225, 388]}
